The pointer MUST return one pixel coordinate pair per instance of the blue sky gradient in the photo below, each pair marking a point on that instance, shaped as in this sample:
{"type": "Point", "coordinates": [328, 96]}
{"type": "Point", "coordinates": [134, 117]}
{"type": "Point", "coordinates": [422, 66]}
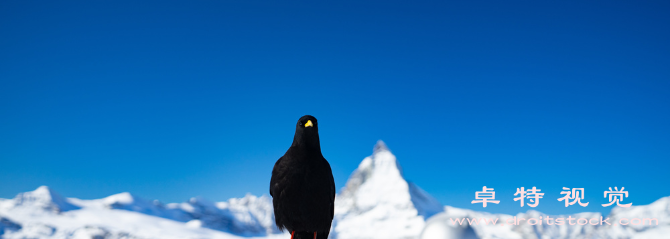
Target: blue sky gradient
{"type": "Point", "coordinates": [169, 100]}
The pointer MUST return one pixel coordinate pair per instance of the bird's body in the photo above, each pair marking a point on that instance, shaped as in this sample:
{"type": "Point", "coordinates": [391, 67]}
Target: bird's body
{"type": "Point", "coordinates": [302, 186]}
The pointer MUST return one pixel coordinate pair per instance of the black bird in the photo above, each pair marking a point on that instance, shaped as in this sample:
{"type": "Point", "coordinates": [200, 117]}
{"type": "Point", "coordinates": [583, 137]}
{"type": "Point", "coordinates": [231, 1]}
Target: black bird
{"type": "Point", "coordinates": [302, 185]}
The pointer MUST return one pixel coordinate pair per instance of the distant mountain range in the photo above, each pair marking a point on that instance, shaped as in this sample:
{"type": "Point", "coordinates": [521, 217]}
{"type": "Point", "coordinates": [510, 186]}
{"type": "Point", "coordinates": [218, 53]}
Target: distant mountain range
{"type": "Point", "coordinates": [377, 202]}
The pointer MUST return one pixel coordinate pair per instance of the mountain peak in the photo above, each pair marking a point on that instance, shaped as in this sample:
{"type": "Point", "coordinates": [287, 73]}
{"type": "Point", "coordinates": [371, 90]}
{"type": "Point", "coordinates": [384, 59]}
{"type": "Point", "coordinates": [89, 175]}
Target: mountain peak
{"type": "Point", "coordinates": [45, 198]}
{"type": "Point", "coordinates": [43, 190]}
{"type": "Point", "coordinates": [119, 198]}
{"type": "Point", "coordinates": [377, 191]}
{"type": "Point", "coordinates": [380, 147]}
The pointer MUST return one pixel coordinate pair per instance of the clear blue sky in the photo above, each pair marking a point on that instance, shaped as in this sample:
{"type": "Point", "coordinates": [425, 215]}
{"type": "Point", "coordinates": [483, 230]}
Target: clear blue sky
{"type": "Point", "coordinates": [173, 100]}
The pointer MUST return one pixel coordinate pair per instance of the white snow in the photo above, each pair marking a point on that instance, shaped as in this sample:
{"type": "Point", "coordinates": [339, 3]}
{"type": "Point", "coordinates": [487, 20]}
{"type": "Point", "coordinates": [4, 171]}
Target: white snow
{"type": "Point", "coordinates": [44, 214]}
{"type": "Point", "coordinates": [376, 202]}
{"type": "Point", "coordinates": [441, 225]}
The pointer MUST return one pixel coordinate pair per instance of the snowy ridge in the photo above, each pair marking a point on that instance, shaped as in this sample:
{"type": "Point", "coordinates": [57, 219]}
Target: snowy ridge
{"type": "Point", "coordinates": [376, 202]}
{"type": "Point", "coordinates": [248, 216]}
{"type": "Point", "coordinates": [44, 214]}
{"type": "Point", "coordinates": [43, 200]}
{"type": "Point", "coordinates": [252, 213]}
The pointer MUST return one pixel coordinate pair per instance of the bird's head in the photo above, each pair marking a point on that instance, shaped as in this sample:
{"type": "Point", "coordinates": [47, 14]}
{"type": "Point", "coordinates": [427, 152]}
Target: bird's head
{"type": "Point", "coordinates": [307, 132]}
{"type": "Point", "coordinates": [307, 123]}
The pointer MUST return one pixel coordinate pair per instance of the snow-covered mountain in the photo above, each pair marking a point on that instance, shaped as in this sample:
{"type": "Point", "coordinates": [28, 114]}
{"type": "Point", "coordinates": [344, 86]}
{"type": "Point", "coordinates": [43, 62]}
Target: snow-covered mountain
{"type": "Point", "coordinates": [44, 214]}
{"type": "Point", "coordinates": [376, 202]}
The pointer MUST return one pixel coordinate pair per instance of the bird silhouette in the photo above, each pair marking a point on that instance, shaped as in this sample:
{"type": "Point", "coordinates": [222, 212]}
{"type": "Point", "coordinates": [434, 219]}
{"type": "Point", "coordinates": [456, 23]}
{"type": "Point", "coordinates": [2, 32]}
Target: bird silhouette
{"type": "Point", "coordinates": [302, 185]}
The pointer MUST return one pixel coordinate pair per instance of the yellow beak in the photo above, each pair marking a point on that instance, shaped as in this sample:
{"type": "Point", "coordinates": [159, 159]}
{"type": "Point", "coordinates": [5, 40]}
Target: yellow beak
{"type": "Point", "coordinates": [308, 124]}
